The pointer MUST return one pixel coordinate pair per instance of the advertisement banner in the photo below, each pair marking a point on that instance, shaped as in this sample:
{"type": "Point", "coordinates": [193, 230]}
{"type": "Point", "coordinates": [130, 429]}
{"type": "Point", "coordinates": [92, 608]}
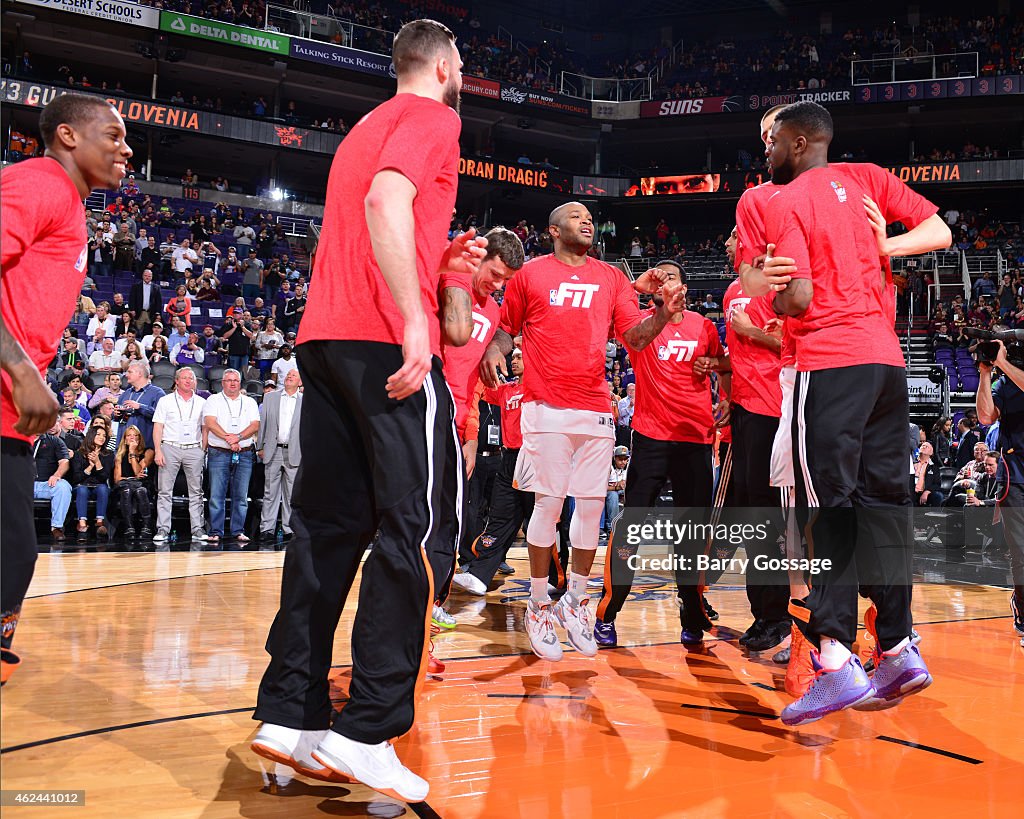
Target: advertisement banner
{"type": "Point", "coordinates": [761, 102]}
{"type": "Point", "coordinates": [684, 108]}
{"type": "Point", "coordinates": [512, 173]}
{"type": "Point", "coordinates": [922, 391]}
{"type": "Point", "coordinates": [256, 39]}
{"type": "Point", "coordinates": [350, 58]}
{"type": "Point", "coordinates": [480, 87]}
{"type": "Point", "coordinates": [938, 89]}
{"type": "Point", "coordinates": [543, 99]}
{"type": "Point", "coordinates": [119, 11]}
{"type": "Point", "coordinates": [180, 118]}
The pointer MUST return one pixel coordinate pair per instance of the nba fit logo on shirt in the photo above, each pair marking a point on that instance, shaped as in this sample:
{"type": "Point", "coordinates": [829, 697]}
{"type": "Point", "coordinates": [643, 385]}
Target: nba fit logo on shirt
{"type": "Point", "coordinates": [677, 351]}
{"type": "Point", "coordinates": [481, 327]}
{"type": "Point", "coordinates": [578, 295]}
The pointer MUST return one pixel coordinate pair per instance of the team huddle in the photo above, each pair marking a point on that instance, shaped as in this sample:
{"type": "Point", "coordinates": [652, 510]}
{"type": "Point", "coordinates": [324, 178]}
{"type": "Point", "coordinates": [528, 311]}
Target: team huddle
{"type": "Point", "coordinates": [399, 345]}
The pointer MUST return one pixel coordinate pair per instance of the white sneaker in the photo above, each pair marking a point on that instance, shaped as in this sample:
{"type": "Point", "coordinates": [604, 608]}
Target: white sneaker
{"type": "Point", "coordinates": [374, 765]}
{"type": "Point", "coordinates": [470, 583]}
{"type": "Point", "coordinates": [160, 537]}
{"type": "Point", "coordinates": [541, 630]}
{"type": "Point", "coordinates": [294, 748]}
{"type": "Point", "coordinates": [200, 535]}
{"type": "Point", "coordinates": [443, 619]}
{"type": "Point", "coordinates": [577, 619]}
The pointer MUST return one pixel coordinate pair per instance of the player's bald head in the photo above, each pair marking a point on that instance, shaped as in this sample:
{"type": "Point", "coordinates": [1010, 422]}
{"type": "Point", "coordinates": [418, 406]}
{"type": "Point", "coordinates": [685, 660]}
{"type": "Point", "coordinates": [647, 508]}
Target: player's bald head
{"type": "Point", "coordinates": [558, 215]}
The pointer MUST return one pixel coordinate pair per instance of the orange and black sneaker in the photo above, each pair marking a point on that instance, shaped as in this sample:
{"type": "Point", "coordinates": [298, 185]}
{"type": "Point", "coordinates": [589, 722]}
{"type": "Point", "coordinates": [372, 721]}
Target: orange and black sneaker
{"type": "Point", "coordinates": [434, 665]}
{"type": "Point", "coordinates": [800, 671]}
{"type": "Point", "coordinates": [9, 661]}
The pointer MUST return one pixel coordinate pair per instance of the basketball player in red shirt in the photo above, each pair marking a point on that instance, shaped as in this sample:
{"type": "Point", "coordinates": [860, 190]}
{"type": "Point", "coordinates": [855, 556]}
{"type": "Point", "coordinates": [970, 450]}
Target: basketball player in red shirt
{"type": "Point", "coordinates": [565, 305]}
{"type": "Point", "coordinates": [850, 403]}
{"type": "Point", "coordinates": [378, 432]}
{"type": "Point", "coordinates": [510, 507]}
{"type": "Point", "coordinates": [462, 372]}
{"type": "Point", "coordinates": [43, 262]}
{"type": "Point", "coordinates": [672, 431]}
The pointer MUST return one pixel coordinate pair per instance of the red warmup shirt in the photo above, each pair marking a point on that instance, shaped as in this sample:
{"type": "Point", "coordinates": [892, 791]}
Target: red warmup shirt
{"type": "Point", "coordinates": [672, 402]}
{"type": "Point", "coordinates": [755, 368]}
{"type": "Point", "coordinates": [462, 364]}
{"type": "Point", "coordinates": [509, 398]}
{"type": "Point", "coordinates": [43, 247]}
{"type": "Point", "coordinates": [348, 298]}
{"type": "Point", "coordinates": [819, 220]}
{"type": "Point", "coordinates": [566, 315]}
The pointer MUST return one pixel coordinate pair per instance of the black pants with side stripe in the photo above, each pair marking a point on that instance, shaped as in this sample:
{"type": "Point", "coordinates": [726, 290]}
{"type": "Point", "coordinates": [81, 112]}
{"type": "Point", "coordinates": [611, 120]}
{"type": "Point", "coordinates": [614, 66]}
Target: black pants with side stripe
{"type": "Point", "coordinates": [852, 501]}
{"type": "Point", "coordinates": [652, 463]}
{"type": "Point", "coordinates": [18, 549]}
{"type": "Point", "coordinates": [373, 470]}
{"type": "Point", "coordinates": [752, 439]}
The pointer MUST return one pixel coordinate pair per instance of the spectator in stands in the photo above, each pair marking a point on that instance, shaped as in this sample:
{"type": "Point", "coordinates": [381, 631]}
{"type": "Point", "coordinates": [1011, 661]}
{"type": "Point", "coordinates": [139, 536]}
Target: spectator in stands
{"type": "Point", "coordinates": [284, 365]}
{"type": "Point", "coordinates": [76, 404]}
{"type": "Point", "coordinates": [85, 309]}
{"type": "Point", "coordinates": [239, 336]}
{"type": "Point", "coordinates": [67, 422]}
{"type": "Point", "coordinates": [189, 352]}
{"type": "Point", "coordinates": [180, 306]}
{"type": "Point", "coordinates": [91, 470]}
{"type": "Point", "coordinates": [148, 255]}
{"type": "Point", "coordinates": [131, 481]}
{"type": "Point", "coordinates": [207, 292]}
{"type": "Point", "coordinates": [138, 404]}
{"type": "Point", "coordinates": [178, 334]}
{"type": "Point", "coordinates": [147, 340]}
{"type": "Point", "coordinates": [252, 275]}
{"type": "Point", "coordinates": [616, 485]}
{"type": "Point", "coordinates": [281, 298]}
{"type": "Point", "coordinates": [189, 179]}
{"type": "Point", "coordinates": [111, 389]}
{"type": "Point", "coordinates": [52, 462]}
{"type": "Point", "coordinates": [1007, 298]}
{"type": "Point", "coordinates": [623, 427]}
{"type": "Point", "coordinates": [967, 439]}
{"type": "Point", "coordinates": [124, 248]}
{"type": "Point", "coordinates": [237, 310]}
{"type": "Point", "coordinates": [928, 481]}
{"type": "Point", "coordinates": [130, 189]}
{"type": "Point", "coordinates": [939, 439]}
{"type": "Point", "coordinates": [70, 355]}
{"type": "Point", "coordinates": [232, 422]}
{"type": "Point", "coordinates": [968, 476]}
{"type": "Point", "coordinates": [293, 309]}
{"type": "Point", "coordinates": [132, 352]}
{"type": "Point", "coordinates": [105, 360]}
{"type": "Point", "coordinates": [103, 320]}
{"type": "Point", "coordinates": [984, 286]}
{"type": "Point", "coordinates": [211, 346]}
{"type": "Point", "coordinates": [259, 309]}
{"type": "Point", "coordinates": [125, 324]}
{"type": "Point", "coordinates": [265, 245]}
{"type": "Point", "coordinates": [178, 445]}
{"type": "Point", "coordinates": [183, 258]}
{"type": "Point", "coordinates": [244, 236]}
{"type": "Point", "coordinates": [159, 350]}
{"type": "Point", "coordinates": [268, 341]}
{"type": "Point", "coordinates": [117, 306]}
{"type": "Point", "coordinates": [278, 449]}
{"type": "Point", "coordinates": [101, 255]}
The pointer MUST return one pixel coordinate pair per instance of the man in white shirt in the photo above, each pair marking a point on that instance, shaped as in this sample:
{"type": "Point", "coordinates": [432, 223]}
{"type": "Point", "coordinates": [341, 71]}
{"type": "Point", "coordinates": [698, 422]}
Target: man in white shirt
{"type": "Point", "coordinates": [179, 443]}
{"type": "Point", "coordinates": [183, 258]}
{"type": "Point", "coordinates": [106, 359]}
{"type": "Point", "coordinates": [278, 448]}
{"type": "Point", "coordinates": [284, 365]}
{"type": "Point", "coordinates": [232, 421]}
{"type": "Point", "coordinates": [147, 340]}
{"type": "Point", "coordinates": [103, 319]}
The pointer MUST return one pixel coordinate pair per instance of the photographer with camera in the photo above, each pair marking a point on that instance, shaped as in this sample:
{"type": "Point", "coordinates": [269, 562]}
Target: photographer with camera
{"type": "Point", "coordinates": [1003, 401]}
{"type": "Point", "coordinates": [239, 337]}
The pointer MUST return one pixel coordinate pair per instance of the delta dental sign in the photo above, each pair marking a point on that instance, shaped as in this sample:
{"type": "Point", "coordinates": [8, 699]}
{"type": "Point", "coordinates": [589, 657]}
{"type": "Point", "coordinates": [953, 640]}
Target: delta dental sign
{"type": "Point", "coordinates": [256, 39]}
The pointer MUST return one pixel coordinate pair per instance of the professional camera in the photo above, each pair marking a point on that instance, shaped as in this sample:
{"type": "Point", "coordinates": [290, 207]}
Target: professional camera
{"type": "Point", "coordinates": [985, 349]}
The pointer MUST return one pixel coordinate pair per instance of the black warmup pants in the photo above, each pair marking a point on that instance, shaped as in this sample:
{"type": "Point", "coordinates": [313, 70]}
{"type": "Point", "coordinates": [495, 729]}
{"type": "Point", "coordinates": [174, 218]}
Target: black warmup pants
{"type": "Point", "coordinates": [373, 469]}
{"type": "Point", "coordinates": [688, 466]}
{"type": "Point", "coordinates": [508, 512]}
{"type": "Point", "coordinates": [480, 489]}
{"type": "Point", "coordinates": [852, 501]}
{"type": "Point", "coordinates": [752, 438]}
{"type": "Point", "coordinates": [1012, 509]}
{"type": "Point", "coordinates": [18, 549]}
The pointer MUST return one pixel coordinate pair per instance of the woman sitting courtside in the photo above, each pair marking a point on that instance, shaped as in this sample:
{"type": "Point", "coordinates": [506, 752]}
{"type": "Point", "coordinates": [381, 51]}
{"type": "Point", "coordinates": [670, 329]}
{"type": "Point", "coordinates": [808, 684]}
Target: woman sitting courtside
{"type": "Point", "coordinates": [91, 469]}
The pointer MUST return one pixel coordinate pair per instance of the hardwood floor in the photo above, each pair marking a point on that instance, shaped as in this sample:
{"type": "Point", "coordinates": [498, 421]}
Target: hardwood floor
{"type": "Point", "coordinates": [140, 671]}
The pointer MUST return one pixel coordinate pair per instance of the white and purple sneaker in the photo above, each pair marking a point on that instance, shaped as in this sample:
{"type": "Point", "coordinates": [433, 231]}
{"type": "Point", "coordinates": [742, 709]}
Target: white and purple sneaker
{"type": "Point", "coordinates": [897, 676]}
{"type": "Point", "coordinates": [831, 691]}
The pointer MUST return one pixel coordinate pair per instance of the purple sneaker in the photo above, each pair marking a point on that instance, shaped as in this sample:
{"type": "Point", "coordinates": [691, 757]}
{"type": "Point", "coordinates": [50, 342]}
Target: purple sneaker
{"type": "Point", "coordinates": [897, 677]}
{"type": "Point", "coordinates": [831, 691]}
{"type": "Point", "coordinates": [604, 634]}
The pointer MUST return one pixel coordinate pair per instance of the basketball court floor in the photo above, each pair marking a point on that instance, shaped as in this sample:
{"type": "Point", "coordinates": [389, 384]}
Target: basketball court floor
{"type": "Point", "coordinates": [140, 672]}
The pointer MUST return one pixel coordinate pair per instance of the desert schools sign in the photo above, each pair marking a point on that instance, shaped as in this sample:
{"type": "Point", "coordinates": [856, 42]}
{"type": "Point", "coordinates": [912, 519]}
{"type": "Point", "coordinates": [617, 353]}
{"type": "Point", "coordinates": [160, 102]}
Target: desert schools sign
{"type": "Point", "coordinates": [119, 11]}
{"type": "Point", "coordinates": [256, 39]}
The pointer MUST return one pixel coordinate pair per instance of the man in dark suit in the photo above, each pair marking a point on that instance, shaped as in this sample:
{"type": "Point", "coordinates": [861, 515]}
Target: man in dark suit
{"type": "Point", "coordinates": [278, 448]}
{"type": "Point", "coordinates": [928, 479]}
{"type": "Point", "coordinates": [965, 449]}
{"type": "Point", "coordinates": [145, 300]}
